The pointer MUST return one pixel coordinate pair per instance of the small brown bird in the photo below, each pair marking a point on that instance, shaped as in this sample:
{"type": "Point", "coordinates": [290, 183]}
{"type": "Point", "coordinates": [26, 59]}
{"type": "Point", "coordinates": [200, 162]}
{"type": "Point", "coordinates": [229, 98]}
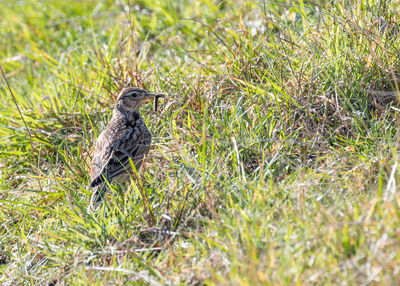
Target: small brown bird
{"type": "Point", "coordinates": [125, 136]}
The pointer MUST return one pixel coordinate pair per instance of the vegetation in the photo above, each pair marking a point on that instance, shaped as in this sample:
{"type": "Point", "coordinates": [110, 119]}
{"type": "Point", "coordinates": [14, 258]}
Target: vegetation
{"type": "Point", "coordinates": [275, 153]}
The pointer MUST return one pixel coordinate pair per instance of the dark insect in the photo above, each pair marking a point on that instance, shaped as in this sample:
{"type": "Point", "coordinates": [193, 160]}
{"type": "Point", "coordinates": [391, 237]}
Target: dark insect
{"type": "Point", "coordinates": [156, 101]}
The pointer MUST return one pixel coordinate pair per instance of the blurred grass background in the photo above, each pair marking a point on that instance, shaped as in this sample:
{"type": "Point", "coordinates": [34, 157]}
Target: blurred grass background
{"type": "Point", "coordinates": [274, 158]}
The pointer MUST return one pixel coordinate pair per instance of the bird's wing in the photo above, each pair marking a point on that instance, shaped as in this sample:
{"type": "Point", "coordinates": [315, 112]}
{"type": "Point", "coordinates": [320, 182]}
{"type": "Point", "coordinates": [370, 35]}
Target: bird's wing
{"type": "Point", "coordinates": [117, 163]}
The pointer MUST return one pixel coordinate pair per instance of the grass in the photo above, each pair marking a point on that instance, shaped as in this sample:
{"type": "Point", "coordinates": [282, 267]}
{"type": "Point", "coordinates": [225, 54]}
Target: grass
{"type": "Point", "coordinates": [274, 158]}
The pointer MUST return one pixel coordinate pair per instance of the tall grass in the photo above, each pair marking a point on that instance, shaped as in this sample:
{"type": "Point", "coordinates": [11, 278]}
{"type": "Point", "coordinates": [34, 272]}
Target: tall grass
{"type": "Point", "coordinates": [274, 159]}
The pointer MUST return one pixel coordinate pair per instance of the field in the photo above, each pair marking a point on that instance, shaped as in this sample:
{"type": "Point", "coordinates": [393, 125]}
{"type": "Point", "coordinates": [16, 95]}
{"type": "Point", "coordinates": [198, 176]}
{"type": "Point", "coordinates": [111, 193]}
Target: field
{"type": "Point", "coordinates": [274, 157]}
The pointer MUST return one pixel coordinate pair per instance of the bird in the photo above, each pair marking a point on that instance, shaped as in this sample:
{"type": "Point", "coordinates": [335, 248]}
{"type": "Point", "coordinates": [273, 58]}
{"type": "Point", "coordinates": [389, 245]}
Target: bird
{"type": "Point", "coordinates": [125, 137]}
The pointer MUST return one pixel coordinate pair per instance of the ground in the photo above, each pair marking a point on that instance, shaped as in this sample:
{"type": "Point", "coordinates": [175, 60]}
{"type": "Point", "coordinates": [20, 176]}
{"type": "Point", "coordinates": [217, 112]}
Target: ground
{"type": "Point", "coordinates": [274, 156]}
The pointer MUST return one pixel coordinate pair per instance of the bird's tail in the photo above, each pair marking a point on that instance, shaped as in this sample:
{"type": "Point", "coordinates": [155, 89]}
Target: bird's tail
{"type": "Point", "coordinates": [97, 197]}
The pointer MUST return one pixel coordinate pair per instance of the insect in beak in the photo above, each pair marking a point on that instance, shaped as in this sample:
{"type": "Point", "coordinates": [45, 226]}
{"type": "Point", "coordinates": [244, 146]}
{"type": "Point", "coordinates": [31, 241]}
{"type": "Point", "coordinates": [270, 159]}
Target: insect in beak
{"type": "Point", "coordinates": [156, 97]}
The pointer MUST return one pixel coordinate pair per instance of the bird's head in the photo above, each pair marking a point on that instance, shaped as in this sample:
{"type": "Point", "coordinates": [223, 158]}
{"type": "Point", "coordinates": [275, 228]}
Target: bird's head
{"type": "Point", "coordinates": [131, 98]}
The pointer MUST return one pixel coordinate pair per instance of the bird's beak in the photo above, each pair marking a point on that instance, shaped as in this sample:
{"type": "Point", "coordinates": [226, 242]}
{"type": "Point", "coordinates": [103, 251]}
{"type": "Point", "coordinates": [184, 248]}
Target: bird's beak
{"type": "Point", "coordinates": [150, 96]}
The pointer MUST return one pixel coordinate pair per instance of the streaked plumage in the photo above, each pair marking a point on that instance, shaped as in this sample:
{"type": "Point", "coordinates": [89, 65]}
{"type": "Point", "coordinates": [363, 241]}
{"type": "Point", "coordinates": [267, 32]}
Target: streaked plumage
{"type": "Point", "coordinates": [125, 136]}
